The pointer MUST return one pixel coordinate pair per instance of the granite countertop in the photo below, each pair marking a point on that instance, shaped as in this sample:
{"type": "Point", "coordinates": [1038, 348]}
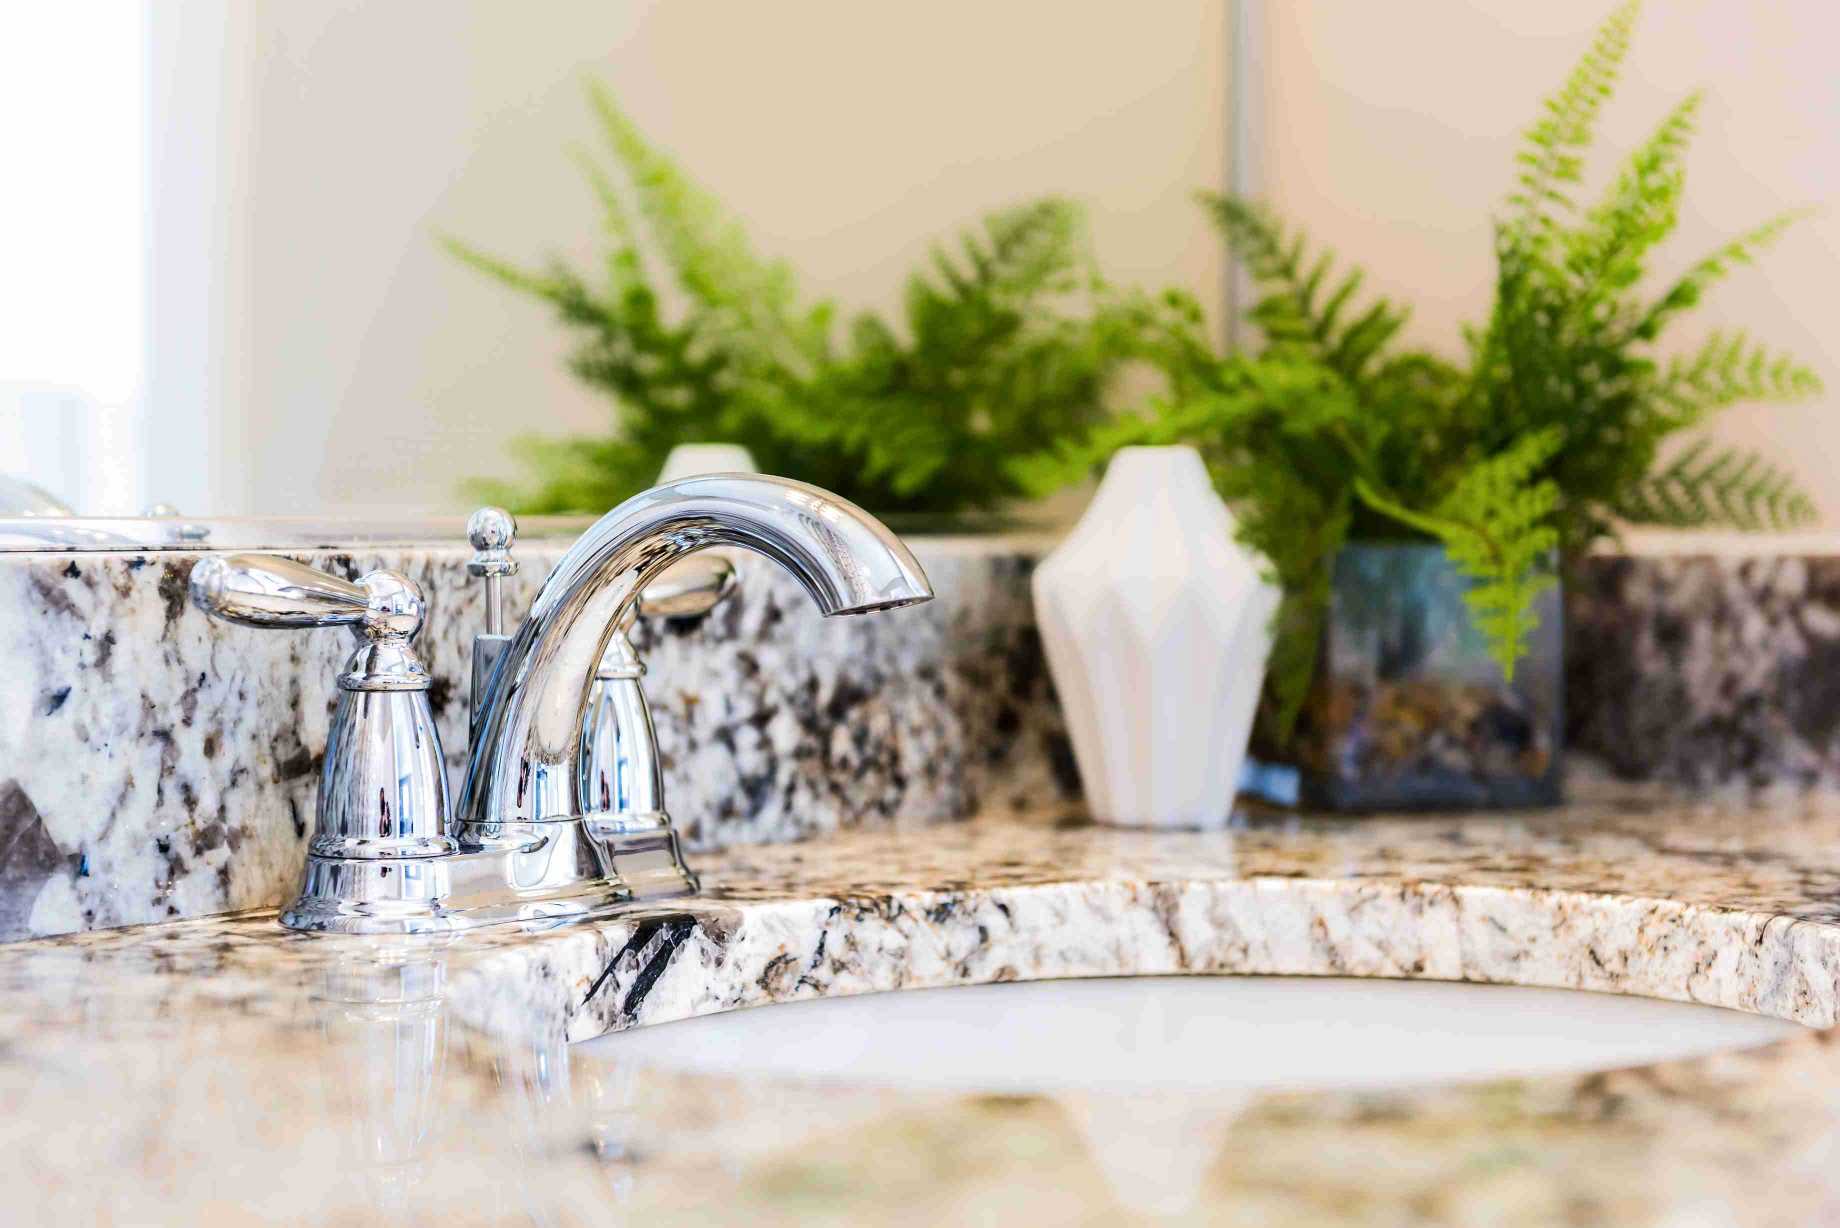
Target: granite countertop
{"type": "Point", "coordinates": [221, 1071]}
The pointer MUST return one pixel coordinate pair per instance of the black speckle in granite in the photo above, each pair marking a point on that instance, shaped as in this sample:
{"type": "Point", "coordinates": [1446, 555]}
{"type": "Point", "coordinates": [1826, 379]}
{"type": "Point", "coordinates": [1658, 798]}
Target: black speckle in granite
{"type": "Point", "coordinates": [1061, 762]}
{"type": "Point", "coordinates": [28, 857]}
{"type": "Point", "coordinates": [174, 861]}
{"type": "Point", "coordinates": [167, 759]}
{"type": "Point", "coordinates": [845, 698]}
{"type": "Point", "coordinates": [671, 933]}
{"type": "Point", "coordinates": [105, 651]}
{"type": "Point", "coordinates": [1670, 634]}
{"type": "Point", "coordinates": [52, 596]}
{"type": "Point", "coordinates": [1811, 691]}
{"type": "Point", "coordinates": [71, 571]}
{"type": "Point", "coordinates": [299, 821]}
{"type": "Point", "coordinates": [56, 700]}
{"type": "Point", "coordinates": [296, 763]}
{"type": "Point", "coordinates": [674, 934]}
{"type": "Point", "coordinates": [440, 692]}
{"type": "Point", "coordinates": [757, 789]}
{"type": "Point", "coordinates": [172, 590]}
{"type": "Point", "coordinates": [771, 975]}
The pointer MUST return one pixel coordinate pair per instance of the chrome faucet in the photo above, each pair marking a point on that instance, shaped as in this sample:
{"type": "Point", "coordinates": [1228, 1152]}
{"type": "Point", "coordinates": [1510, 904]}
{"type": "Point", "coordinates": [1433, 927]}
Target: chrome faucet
{"type": "Point", "coordinates": [620, 771]}
{"type": "Point", "coordinates": [538, 834]}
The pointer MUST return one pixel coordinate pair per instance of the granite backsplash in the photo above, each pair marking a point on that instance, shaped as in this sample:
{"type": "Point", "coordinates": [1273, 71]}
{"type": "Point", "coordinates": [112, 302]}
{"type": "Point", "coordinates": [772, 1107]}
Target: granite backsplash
{"type": "Point", "coordinates": [1715, 670]}
{"type": "Point", "coordinates": [157, 764]}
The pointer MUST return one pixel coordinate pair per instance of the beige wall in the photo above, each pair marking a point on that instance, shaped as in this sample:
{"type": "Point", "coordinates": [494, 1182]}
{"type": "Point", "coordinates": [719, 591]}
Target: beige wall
{"type": "Point", "coordinates": [311, 350]}
{"type": "Point", "coordinates": [334, 359]}
{"type": "Point", "coordinates": [1388, 129]}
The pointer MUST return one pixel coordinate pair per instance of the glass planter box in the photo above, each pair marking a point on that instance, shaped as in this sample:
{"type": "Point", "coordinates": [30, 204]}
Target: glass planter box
{"type": "Point", "coordinates": [1409, 711]}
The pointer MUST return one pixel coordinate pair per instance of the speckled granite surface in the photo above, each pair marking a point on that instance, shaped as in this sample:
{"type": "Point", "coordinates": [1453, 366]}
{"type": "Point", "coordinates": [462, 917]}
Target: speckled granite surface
{"type": "Point", "coordinates": [157, 764]}
{"type": "Point", "coordinates": [221, 1072]}
{"type": "Point", "coordinates": [1709, 669]}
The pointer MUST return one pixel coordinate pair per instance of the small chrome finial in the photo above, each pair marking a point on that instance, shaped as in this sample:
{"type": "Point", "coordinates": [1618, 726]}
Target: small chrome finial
{"type": "Point", "coordinates": [492, 530]}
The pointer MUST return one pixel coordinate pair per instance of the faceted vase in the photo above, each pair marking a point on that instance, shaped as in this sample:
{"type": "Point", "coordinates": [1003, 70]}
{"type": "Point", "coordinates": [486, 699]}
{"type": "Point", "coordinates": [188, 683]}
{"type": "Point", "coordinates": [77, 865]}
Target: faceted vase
{"type": "Point", "coordinates": [1409, 711]}
{"type": "Point", "coordinates": [1157, 624]}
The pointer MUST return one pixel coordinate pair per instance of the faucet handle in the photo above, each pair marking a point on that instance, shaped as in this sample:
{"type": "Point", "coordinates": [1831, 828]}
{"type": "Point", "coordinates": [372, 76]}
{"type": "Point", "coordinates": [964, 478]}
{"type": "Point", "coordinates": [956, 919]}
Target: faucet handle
{"type": "Point", "coordinates": [384, 609]}
{"type": "Point", "coordinates": [690, 587]}
{"type": "Point", "coordinates": [262, 590]}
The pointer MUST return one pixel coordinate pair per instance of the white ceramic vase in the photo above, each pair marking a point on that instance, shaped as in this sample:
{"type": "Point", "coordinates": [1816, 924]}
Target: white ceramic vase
{"type": "Point", "coordinates": [1157, 626]}
{"type": "Point", "coordinates": [690, 460]}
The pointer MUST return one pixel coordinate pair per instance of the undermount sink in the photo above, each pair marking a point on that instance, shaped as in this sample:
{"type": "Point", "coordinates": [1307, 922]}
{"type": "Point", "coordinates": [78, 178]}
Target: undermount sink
{"type": "Point", "coordinates": [1191, 1033]}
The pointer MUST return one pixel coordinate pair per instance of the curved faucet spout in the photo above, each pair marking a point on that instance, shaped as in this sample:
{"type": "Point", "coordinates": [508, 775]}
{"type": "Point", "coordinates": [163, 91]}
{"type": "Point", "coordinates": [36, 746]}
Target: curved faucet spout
{"type": "Point", "coordinates": [522, 767]}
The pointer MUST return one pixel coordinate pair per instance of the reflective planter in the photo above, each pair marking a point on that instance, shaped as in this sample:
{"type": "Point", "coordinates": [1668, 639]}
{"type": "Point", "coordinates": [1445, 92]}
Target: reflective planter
{"type": "Point", "coordinates": [1410, 712]}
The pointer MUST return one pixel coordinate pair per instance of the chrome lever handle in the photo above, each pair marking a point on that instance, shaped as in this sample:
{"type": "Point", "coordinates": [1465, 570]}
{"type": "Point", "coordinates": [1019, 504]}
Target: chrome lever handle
{"type": "Point", "coordinates": [265, 590]}
{"type": "Point", "coordinates": [262, 590]}
{"type": "Point", "coordinates": [383, 609]}
{"type": "Point", "coordinates": [689, 588]}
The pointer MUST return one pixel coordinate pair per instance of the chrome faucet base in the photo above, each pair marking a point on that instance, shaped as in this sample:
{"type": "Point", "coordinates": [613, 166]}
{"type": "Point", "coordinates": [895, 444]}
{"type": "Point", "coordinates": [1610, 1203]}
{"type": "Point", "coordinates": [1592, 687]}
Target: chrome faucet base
{"type": "Point", "coordinates": [552, 872]}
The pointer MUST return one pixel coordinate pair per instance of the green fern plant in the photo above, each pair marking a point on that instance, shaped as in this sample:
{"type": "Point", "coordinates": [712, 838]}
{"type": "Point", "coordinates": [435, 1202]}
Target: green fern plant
{"type": "Point", "coordinates": [1496, 522]}
{"type": "Point", "coordinates": [1008, 341]}
{"type": "Point", "coordinates": [1545, 438]}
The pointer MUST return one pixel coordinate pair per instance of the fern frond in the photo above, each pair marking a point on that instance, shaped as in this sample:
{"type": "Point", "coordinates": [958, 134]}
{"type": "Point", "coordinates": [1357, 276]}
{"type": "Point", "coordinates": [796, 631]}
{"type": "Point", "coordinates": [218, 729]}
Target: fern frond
{"type": "Point", "coordinates": [754, 301]}
{"type": "Point", "coordinates": [1012, 341]}
{"type": "Point", "coordinates": [1686, 293]}
{"type": "Point", "coordinates": [1160, 424]}
{"type": "Point", "coordinates": [1605, 254]}
{"type": "Point", "coordinates": [1496, 522]}
{"type": "Point", "coordinates": [1707, 487]}
{"type": "Point", "coordinates": [1293, 310]}
{"type": "Point", "coordinates": [1551, 150]}
{"type": "Point", "coordinates": [499, 269]}
{"type": "Point", "coordinates": [1728, 369]}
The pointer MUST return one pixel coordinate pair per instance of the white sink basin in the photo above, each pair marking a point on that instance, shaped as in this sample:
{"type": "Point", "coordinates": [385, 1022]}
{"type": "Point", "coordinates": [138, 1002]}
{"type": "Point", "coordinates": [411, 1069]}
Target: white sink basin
{"type": "Point", "coordinates": [1193, 1033]}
